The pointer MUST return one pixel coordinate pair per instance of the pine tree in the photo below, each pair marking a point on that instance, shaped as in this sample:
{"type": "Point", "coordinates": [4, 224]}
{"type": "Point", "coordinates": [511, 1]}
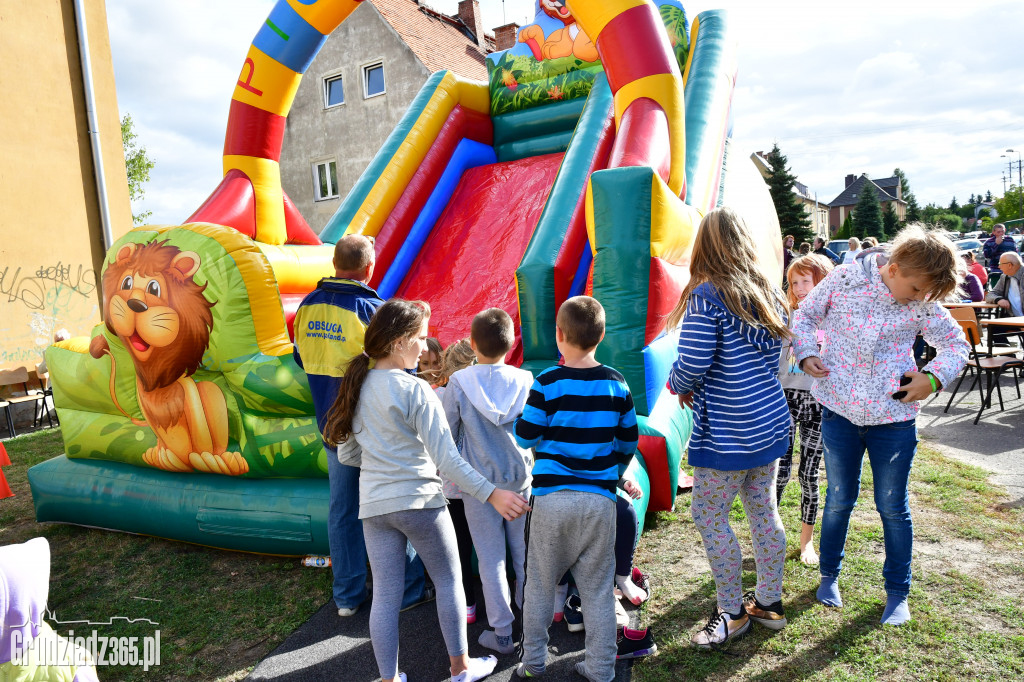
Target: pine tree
{"type": "Point", "coordinates": [913, 210]}
{"type": "Point", "coordinates": [890, 222]}
{"type": "Point", "coordinates": [792, 217]}
{"type": "Point", "coordinates": [954, 206]}
{"type": "Point", "coordinates": [846, 231]}
{"type": "Point", "coordinates": [988, 195]}
{"type": "Point", "coordinates": [867, 217]}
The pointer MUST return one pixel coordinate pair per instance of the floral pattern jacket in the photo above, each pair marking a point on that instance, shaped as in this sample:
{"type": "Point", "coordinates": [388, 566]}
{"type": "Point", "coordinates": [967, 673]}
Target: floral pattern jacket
{"type": "Point", "coordinates": [869, 340]}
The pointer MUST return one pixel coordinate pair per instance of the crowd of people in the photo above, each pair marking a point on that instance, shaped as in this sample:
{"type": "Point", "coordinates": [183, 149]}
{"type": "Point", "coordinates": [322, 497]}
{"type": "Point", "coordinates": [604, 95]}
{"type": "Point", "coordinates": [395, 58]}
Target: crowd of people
{"type": "Point", "coordinates": [436, 452]}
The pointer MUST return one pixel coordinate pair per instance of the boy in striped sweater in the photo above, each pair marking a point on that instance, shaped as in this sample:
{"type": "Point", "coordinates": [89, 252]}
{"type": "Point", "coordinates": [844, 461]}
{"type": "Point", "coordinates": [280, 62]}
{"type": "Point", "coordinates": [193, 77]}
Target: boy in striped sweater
{"type": "Point", "coordinates": [579, 418]}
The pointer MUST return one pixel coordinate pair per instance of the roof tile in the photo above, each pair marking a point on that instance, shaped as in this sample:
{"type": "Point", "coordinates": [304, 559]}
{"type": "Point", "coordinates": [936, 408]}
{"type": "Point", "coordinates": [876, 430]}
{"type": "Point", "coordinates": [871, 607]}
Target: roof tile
{"type": "Point", "coordinates": [438, 40]}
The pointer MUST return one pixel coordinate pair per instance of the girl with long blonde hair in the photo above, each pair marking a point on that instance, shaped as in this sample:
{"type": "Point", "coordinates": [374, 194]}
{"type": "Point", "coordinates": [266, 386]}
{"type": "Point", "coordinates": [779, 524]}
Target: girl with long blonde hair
{"type": "Point", "coordinates": [732, 319]}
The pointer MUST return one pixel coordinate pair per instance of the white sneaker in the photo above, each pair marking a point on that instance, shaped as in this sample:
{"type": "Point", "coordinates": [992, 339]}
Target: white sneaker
{"type": "Point", "coordinates": [345, 613]}
{"type": "Point", "coordinates": [720, 629]}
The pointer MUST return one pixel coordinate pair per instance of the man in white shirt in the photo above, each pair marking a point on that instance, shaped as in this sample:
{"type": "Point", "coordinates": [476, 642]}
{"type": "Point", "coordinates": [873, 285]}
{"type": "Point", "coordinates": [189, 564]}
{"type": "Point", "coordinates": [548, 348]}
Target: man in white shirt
{"type": "Point", "coordinates": [1008, 293]}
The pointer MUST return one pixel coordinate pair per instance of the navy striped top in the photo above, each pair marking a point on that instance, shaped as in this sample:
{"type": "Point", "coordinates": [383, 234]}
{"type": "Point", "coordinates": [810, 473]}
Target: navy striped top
{"type": "Point", "coordinates": [582, 425]}
{"type": "Point", "coordinates": [741, 419]}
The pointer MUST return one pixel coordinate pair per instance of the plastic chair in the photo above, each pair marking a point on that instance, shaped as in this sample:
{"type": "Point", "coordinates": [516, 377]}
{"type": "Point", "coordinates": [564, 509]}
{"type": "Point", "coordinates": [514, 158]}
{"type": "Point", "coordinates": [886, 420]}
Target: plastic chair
{"type": "Point", "coordinates": [12, 378]}
{"type": "Point", "coordinates": [992, 367]}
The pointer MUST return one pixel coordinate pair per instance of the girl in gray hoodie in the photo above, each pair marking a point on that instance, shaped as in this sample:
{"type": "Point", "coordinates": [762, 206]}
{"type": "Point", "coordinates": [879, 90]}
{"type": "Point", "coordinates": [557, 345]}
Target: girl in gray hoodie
{"type": "Point", "coordinates": [391, 425]}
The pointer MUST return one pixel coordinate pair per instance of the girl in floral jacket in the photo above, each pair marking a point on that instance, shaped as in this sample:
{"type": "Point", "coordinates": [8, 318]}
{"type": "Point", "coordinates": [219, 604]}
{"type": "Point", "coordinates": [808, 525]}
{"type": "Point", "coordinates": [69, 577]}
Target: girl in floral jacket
{"type": "Point", "coordinates": [871, 312]}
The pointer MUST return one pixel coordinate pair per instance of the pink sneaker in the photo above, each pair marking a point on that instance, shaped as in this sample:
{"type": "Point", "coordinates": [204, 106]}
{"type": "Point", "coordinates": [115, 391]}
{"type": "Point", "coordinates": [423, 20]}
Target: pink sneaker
{"type": "Point", "coordinates": [471, 614]}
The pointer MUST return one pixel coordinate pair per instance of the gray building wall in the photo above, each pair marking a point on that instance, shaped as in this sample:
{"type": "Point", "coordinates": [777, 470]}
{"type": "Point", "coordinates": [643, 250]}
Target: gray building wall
{"type": "Point", "coordinates": [352, 133]}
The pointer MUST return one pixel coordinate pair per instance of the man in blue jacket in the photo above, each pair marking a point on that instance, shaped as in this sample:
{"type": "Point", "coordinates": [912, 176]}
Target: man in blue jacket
{"type": "Point", "coordinates": [329, 328]}
{"type": "Point", "coordinates": [995, 246]}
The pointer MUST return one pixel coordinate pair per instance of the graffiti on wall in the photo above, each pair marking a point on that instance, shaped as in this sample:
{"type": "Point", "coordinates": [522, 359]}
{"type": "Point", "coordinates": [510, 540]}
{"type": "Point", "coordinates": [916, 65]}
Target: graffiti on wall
{"type": "Point", "coordinates": [38, 299]}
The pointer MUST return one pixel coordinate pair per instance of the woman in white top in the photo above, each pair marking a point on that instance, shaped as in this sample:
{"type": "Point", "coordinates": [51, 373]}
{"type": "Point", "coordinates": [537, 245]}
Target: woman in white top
{"type": "Point", "coordinates": [855, 249]}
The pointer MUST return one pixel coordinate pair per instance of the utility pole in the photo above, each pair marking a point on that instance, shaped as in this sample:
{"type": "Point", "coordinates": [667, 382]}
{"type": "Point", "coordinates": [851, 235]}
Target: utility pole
{"type": "Point", "coordinates": [1020, 184]}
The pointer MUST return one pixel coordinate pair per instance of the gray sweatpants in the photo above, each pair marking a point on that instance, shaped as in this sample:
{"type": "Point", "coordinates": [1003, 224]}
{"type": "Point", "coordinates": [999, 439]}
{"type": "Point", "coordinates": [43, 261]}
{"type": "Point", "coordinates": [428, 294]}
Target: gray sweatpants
{"type": "Point", "coordinates": [433, 537]}
{"type": "Point", "coordinates": [490, 532]}
{"type": "Point", "coordinates": [571, 530]}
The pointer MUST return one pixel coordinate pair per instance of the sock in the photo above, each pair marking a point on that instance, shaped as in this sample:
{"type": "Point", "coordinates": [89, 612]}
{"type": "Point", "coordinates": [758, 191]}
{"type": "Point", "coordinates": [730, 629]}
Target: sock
{"type": "Point", "coordinates": [478, 669]}
{"type": "Point", "coordinates": [828, 591]}
{"type": "Point", "coordinates": [500, 643]}
{"type": "Point", "coordinates": [897, 612]}
{"type": "Point", "coordinates": [561, 593]}
{"type": "Point", "coordinates": [629, 589]}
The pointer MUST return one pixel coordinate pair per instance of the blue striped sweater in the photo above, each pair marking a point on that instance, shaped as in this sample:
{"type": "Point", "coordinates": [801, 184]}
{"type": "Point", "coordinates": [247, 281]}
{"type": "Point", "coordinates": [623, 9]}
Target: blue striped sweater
{"type": "Point", "coordinates": [741, 419]}
{"type": "Point", "coordinates": [582, 425]}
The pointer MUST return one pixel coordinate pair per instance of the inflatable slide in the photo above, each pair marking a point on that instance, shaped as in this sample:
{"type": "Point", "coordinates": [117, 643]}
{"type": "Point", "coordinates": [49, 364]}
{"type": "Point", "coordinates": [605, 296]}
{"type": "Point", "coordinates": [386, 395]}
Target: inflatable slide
{"type": "Point", "coordinates": [583, 165]}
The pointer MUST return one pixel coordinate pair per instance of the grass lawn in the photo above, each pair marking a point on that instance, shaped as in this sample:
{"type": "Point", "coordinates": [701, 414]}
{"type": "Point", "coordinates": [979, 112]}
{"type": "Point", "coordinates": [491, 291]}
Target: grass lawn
{"type": "Point", "coordinates": [219, 612]}
{"type": "Point", "coordinates": [966, 598]}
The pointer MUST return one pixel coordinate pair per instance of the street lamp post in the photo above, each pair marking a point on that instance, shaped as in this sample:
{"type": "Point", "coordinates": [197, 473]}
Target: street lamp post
{"type": "Point", "coordinates": [1020, 184]}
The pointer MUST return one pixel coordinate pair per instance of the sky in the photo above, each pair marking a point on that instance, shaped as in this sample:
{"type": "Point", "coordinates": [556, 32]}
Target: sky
{"type": "Point", "coordinates": [933, 88]}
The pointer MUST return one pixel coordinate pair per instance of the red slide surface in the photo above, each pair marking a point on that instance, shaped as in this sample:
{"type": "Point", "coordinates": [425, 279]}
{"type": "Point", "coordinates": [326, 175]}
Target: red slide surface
{"type": "Point", "coordinates": [469, 261]}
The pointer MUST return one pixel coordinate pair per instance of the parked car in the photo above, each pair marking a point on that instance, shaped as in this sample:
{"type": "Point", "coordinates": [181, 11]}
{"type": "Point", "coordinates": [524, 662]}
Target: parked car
{"type": "Point", "coordinates": [973, 235]}
{"type": "Point", "coordinates": [839, 247]}
{"type": "Point", "coordinates": [975, 245]}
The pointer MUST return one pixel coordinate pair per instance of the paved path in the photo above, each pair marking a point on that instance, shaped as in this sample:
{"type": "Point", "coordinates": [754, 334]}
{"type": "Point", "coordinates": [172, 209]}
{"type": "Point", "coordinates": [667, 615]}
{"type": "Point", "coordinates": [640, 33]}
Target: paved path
{"type": "Point", "coordinates": [996, 443]}
{"type": "Point", "coordinates": [327, 647]}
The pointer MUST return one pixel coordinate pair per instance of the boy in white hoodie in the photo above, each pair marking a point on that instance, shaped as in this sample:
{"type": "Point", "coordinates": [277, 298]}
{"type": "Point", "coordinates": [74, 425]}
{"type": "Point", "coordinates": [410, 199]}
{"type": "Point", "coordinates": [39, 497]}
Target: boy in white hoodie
{"type": "Point", "coordinates": [483, 401]}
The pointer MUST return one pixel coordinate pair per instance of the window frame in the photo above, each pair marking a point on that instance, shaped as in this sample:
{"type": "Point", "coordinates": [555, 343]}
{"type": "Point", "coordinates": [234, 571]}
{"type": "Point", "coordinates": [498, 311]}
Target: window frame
{"type": "Point", "coordinates": [328, 78]}
{"type": "Point", "coordinates": [314, 168]}
{"type": "Point", "coordinates": [364, 71]}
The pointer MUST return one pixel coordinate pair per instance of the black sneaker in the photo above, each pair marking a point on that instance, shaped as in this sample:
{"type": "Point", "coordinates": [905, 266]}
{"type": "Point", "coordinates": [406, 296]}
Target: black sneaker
{"type": "Point", "coordinates": [573, 613]}
{"type": "Point", "coordinates": [772, 616]}
{"type": "Point", "coordinates": [635, 643]}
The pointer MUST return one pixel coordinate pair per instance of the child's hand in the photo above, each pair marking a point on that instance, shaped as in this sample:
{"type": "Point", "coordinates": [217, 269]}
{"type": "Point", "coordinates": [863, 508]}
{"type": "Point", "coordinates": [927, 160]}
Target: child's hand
{"type": "Point", "coordinates": [919, 388]}
{"type": "Point", "coordinates": [633, 490]}
{"type": "Point", "coordinates": [509, 504]}
{"type": "Point", "coordinates": [813, 366]}
{"type": "Point", "coordinates": [686, 400]}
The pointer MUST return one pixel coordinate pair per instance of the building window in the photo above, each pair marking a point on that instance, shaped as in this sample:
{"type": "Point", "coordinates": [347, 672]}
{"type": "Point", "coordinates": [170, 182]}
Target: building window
{"type": "Point", "coordinates": [325, 180]}
{"type": "Point", "coordinates": [334, 93]}
{"type": "Point", "coordinates": [373, 80]}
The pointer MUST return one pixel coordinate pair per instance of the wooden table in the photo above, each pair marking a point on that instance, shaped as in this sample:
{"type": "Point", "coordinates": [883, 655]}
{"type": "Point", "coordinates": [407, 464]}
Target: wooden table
{"type": "Point", "coordinates": [980, 308]}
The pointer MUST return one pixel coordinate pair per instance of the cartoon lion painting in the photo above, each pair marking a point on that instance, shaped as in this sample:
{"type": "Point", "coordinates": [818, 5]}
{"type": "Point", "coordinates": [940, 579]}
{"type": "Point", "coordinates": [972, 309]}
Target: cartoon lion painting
{"type": "Point", "coordinates": [160, 314]}
{"type": "Point", "coordinates": [568, 40]}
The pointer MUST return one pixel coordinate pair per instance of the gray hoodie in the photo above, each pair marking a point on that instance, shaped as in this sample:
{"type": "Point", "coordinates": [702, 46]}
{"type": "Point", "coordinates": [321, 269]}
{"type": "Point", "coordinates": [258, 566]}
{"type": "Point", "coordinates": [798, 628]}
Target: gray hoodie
{"type": "Point", "coordinates": [483, 402]}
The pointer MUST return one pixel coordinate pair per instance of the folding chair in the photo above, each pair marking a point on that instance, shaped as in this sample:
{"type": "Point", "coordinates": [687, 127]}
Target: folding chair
{"type": "Point", "coordinates": [43, 377]}
{"type": "Point", "coordinates": [992, 367]}
{"type": "Point", "coordinates": [10, 379]}
{"type": "Point", "coordinates": [969, 315]}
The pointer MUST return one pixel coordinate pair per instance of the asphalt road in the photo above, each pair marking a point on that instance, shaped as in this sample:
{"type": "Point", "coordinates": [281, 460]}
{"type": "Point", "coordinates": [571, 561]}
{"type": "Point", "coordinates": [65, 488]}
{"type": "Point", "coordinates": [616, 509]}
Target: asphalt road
{"type": "Point", "coordinates": [996, 443]}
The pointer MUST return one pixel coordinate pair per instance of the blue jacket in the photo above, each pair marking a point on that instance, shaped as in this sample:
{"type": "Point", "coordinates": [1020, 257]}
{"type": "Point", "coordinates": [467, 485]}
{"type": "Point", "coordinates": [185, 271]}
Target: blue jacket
{"type": "Point", "coordinates": [741, 419]}
{"type": "Point", "coordinates": [993, 251]}
{"type": "Point", "coordinates": [330, 325]}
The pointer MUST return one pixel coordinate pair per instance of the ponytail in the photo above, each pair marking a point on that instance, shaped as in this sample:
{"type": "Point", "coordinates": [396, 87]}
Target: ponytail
{"type": "Point", "coordinates": [394, 320]}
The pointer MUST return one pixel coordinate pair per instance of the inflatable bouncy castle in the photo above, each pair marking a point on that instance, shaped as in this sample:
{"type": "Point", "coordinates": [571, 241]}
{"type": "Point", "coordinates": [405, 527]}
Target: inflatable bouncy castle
{"type": "Point", "coordinates": [583, 165]}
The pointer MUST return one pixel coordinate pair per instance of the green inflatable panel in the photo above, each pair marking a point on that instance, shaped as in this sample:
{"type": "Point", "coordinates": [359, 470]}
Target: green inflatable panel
{"type": "Point", "coordinates": [268, 516]}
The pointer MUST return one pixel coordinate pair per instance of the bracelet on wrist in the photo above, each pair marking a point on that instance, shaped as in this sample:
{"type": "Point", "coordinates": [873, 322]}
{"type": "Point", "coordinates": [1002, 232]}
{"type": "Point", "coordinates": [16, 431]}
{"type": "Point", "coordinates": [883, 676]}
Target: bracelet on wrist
{"type": "Point", "coordinates": [934, 382]}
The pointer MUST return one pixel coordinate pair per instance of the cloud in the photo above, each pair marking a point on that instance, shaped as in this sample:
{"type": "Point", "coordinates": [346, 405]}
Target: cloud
{"type": "Point", "coordinates": [933, 89]}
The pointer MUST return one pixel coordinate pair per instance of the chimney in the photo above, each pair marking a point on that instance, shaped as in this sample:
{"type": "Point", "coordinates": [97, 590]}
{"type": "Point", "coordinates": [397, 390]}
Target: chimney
{"type": "Point", "coordinates": [850, 179]}
{"type": "Point", "coordinates": [469, 14]}
{"type": "Point", "coordinates": [505, 36]}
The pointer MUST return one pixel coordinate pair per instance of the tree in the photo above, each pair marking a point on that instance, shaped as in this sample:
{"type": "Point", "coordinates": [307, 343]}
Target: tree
{"type": "Point", "coordinates": [913, 210]}
{"type": "Point", "coordinates": [846, 231]}
{"type": "Point", "coordinates": [1008, 205]}
{"type": "Point", "coordinates": [950, 222]}
{"type": "Point", "coordinates": [930, 212]}
{"type": "Point", "coordinates": [867, 217]}
{"type": "Point", "coordinates": [971, 201]}
{"type": "Point", "coordinates": [890, 222]}
{"type": "Point", "coordinates": [954, 206]}
{"type": "Point", "coordinates": [792, 217]}
{"type": "Point", "coordinates": [988, 195]}
{"type": "Point", "coordinates": [137, 164]}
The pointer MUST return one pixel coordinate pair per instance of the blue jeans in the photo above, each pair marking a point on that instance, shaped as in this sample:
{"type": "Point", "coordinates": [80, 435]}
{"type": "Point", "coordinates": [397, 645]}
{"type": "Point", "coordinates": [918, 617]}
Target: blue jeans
{"type": "Point", "coordinates": [891, 449]}
{"type": "Point", "coordinates": [348, 550]}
